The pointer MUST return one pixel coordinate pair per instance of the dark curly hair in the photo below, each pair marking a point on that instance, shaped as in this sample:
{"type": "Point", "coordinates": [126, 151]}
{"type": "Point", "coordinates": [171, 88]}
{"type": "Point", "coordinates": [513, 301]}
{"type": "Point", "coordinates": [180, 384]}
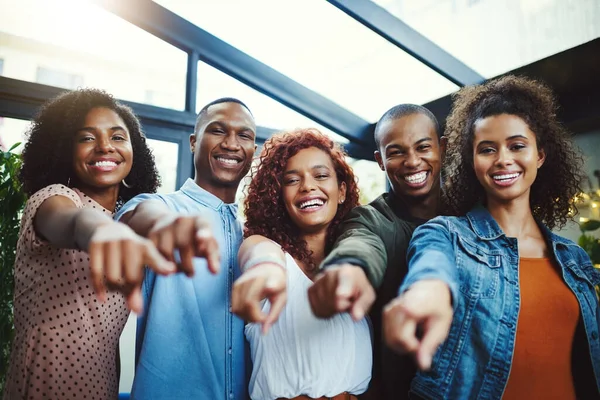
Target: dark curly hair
{"type": "Point", "coordinates": [48, 153]}
{"type": "Point", "coordinates": [265, 211]}
{"type": "Point", "coordinates": [559, 178]}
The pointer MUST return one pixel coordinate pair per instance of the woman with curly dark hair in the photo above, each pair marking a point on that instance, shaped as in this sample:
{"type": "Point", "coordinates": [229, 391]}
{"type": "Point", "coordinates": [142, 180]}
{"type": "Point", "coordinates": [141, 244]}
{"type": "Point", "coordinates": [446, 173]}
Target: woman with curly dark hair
{"type": "Point", "coordinates": [513, 303]}
{"type": "Point", "coordinates": [300, 191]}
{"type": "Point", "coordinates": [85, 155]}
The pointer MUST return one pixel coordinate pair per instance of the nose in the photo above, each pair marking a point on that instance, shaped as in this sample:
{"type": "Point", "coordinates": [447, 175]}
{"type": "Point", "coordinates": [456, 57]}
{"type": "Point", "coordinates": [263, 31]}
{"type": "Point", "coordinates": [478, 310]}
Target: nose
{"type": "Point", "coordinates": [307, 185]}
{"type": "Point", "coordinates": [504, 157]}
{"type": "Point", "coordinates": [412, 160]}
{"type": "Point", "coordinates": [230, 142]}
{"type": "Point", "coordinates": [104, 145]}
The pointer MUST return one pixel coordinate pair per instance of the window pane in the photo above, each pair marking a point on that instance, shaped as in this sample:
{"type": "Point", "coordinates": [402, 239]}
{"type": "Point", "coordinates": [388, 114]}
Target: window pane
{"type": "Point", "coordinates": [214, 84]}
{"type": "Point", "coordinates": [322, 48]}
{"type": "Point", "coordinates": [12, 131]}
{"type": "Point", "coordinates": [88, 46]}
{"type": "Point", "coordinates": [166, 156]}
{"type": "Point", "coordinates": [494, 37]}
{"type": "Point", "coordinates": [371, 179]}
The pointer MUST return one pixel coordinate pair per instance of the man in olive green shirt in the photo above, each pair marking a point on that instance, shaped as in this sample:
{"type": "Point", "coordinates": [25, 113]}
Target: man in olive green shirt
{"type": "Point", "coordinates": [368, 260]}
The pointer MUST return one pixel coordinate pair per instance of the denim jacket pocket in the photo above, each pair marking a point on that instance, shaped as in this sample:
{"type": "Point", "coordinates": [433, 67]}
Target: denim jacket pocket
{"type": "Point", "coordinates": [479, 269]}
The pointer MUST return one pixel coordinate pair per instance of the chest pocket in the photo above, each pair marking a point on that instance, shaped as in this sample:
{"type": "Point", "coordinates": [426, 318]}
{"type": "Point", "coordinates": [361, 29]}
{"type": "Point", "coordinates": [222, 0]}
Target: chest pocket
{"type": "Point", "coordinates": [479, 269]}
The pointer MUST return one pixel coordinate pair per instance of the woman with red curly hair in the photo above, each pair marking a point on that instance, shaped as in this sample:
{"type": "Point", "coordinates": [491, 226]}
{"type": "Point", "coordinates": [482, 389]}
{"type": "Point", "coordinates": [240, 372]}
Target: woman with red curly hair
{"type": "Point", "coordinates": [299, 193]}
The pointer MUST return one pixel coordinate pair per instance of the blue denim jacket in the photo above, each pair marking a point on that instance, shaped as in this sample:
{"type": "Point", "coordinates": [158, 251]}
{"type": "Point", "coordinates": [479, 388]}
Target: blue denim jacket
{"type": "Point", "coordinates": [480, 265]}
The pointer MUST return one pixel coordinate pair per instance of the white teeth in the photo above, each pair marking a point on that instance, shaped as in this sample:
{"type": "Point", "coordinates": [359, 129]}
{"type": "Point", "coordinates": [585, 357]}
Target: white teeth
{"type": "Point", "coordinates": [505, 177]}
{"type": "Point", "coordinates": [229, 161]}
{"type": "Point", "coordinates": [419, 177]}
{"type": "Point", "coordinates": [105, 164]}
{"type": "Point", "coordinates": [311, 203]}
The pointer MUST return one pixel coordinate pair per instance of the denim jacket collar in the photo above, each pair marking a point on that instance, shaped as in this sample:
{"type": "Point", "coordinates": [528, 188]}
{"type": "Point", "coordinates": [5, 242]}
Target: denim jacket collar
{"type": "Point", "coordinates": [483, 224]}
{"type": "Point", "coordinates": [192, 190]}
{"type": "Point", "coordinates": [486, 227]}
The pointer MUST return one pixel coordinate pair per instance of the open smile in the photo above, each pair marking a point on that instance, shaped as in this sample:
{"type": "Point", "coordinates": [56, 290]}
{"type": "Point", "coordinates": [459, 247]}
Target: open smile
{"type": "Point", "coordinates": [311, 205]}
{"type": "Point", "coordinates": [228, 161]}
{"type": "Point", "coordinates": [104, 165]}
{"type": "Point", "coordinates": [416, 180]}
{"type": "Point", "coordinates": [506, 179]}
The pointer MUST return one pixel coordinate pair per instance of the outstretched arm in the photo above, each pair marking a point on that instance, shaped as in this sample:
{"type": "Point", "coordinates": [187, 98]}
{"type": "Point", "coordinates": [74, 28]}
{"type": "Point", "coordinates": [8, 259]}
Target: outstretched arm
{"type": "Point", "coordinates": [263, 277]}
{"type": "Point", "coordinates": [117, 254]}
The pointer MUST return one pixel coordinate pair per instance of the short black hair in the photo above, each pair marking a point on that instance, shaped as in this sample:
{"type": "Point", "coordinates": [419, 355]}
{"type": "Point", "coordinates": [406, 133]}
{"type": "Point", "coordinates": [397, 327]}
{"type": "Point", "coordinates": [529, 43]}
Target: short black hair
{"type": "Point", "coordinates": [403, 110]}
{"type": "Point", "coordinates": [48, 152]}
{"type": "Point", "coordinates": [204, 109]}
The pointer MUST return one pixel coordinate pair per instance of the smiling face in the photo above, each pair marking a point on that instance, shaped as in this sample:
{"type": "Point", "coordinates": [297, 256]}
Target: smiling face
{"type": "Point", "coordinates": [311, 191]}
{"type": "Point", "coordinates": [505, 157]}
{"type": "Point", "coordinates": [102, 151]}
{"type": "Point", "coordinates": [223, 146]}
{"type": "Point", "coordinates": [411, 155]}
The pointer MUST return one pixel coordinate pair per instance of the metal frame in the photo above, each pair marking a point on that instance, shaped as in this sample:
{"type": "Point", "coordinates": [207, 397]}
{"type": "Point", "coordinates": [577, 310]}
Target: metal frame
{"type": "Point", "coordinates": [188, 37]}
{"type": "Point", "coordinates": [394, 30]}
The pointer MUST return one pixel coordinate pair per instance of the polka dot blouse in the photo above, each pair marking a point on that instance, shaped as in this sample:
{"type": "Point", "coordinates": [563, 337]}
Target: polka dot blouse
{"type": "Point", "coordinates": [66, 341]}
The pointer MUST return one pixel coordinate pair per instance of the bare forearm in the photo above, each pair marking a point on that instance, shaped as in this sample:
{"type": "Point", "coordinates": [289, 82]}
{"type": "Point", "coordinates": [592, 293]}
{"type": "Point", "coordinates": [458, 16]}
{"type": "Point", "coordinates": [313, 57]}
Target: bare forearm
{"type": "Point", "coordinates": [70, 228]}
{"type": "Point", "coordinates": [143, 218]}
{"type": "Point", "coordinates": [257, 249]}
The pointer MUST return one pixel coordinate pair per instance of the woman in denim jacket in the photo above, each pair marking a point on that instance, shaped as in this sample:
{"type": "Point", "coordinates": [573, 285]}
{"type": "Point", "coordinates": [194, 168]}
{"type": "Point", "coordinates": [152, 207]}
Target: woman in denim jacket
{"type": "Point", "coordinates": [495, 305]}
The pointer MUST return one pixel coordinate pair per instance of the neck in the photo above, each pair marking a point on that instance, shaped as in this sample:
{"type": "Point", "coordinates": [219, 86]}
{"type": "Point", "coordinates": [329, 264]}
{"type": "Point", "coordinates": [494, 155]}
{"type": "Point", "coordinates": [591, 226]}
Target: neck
{"type": "Point", "coordinates": [515, 217]}
{"type": "Point", "coordinates": [106, 197]}
{"type": "Point", "coordinates": [315, 242]}
{"type": "Point", "coordinates": [426, 207]}
{"type": "Point", "coordinates": [225, 193]}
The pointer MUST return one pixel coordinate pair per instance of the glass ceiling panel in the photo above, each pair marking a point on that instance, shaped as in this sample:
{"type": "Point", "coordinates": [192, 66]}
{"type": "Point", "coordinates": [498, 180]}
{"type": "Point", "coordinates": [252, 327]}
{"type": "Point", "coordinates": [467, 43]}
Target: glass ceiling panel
{"type": "Point", "coordinates": [269, 113]}
{"type": "Point", "coordinates": [74, 43]}
{"type": "Point", "coordinates": [494, 37]}
{"type": "Point", "coordinates": [315, 44]}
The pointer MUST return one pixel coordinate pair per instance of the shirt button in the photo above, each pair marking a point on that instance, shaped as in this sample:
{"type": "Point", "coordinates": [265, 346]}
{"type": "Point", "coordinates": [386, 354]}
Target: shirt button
{"type": "Point", "coordinates": [229, 351]}
{"type": "Point", "coordinates": [230, 309]}
{"type": "Point", "coordinates": [231, 395]}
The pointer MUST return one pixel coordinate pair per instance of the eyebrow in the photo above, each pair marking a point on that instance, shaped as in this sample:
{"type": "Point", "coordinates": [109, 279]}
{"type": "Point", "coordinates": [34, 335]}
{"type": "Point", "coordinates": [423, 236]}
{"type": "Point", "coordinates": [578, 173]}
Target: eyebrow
{"type": "Point", "coordinates": [295, 171]}
{"type": "Point", "coordinates": [93, 129]}
{"type": "Point", "coordinates": [488, 142]}
{"type": "Point", "coordinates": [224, 124]}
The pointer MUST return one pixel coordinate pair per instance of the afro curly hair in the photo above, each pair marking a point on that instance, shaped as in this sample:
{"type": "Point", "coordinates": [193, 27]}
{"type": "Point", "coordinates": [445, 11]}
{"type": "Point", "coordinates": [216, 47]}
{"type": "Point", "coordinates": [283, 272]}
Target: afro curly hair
{"type": "Point", "coordinates": [48, 152]}
{"type": "Point", "coordinates": [265, 211]}
{"type": "Point", "coordinates": [559, 178]}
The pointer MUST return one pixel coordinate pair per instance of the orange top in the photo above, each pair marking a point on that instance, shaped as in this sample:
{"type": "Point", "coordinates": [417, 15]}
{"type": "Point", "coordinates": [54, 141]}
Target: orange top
{"type": "Point", "coordinates": [541, 364]}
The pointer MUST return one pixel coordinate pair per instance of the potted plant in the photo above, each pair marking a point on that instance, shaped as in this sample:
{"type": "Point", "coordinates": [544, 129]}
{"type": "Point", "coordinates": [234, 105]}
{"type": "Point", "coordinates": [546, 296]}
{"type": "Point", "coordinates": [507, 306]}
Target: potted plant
{"type": "Point", "coordinates": [13, 200]}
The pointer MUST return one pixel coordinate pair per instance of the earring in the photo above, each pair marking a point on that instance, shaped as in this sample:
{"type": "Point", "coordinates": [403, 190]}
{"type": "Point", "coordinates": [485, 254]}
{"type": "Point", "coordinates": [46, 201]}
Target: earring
{"type": "Point", "coordinates": [342, 201]}
{"type": "Point", "coordinates": [69, 182]}
{"type": "Point", "coordinates": [125, 184]}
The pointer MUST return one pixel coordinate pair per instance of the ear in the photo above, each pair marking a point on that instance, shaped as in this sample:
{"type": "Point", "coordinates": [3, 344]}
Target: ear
{"type": "Point", "coordinates": [443, 144]}
{"type": "Point", "coordinates": [192, 142]}
{"type": "Point", "coordinates": [379, 160]}
{"type": "Point", "coordinates": [541, 158]}
{"type": "Point", "coordinates": [342, 192]}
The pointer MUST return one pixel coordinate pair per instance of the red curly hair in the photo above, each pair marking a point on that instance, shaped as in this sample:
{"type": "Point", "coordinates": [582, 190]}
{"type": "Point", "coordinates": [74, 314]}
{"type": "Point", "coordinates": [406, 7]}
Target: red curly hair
{"type": "Point", "coordinates": [265, 211]}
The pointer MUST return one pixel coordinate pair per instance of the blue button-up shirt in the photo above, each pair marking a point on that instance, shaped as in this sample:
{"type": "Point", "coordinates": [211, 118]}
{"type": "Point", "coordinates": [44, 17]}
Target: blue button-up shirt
{"type": "Point", "coordinates": [480, 264]}
{"type": "Point", "coordinates": [188, 343]}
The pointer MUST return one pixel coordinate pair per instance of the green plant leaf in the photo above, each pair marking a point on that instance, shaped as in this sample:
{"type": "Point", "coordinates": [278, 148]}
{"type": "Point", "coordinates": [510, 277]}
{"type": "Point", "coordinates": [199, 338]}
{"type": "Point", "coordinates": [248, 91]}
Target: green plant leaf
{"type": "Point", "coordinates": [590, 225]}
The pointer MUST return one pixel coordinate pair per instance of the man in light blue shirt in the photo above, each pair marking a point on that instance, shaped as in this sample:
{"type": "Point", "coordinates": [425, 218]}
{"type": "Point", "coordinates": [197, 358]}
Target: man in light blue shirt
{"type": "Point", "coordinates": [189, 345]}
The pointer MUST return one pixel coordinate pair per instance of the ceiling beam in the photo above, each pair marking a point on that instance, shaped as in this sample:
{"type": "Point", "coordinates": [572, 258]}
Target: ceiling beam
{"type": "Point", "coordinates": [188, 37]}
{"type": "Point", "coordinates": [22, 99]}
{"type": "Point", "coordinates": [394, 30]}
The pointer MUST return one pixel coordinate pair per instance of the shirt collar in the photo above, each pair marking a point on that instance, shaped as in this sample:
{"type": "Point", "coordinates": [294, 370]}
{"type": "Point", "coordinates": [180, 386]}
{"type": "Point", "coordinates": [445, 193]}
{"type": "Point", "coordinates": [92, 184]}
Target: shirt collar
{"type": "Point", "coordinates": [195, 192]}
